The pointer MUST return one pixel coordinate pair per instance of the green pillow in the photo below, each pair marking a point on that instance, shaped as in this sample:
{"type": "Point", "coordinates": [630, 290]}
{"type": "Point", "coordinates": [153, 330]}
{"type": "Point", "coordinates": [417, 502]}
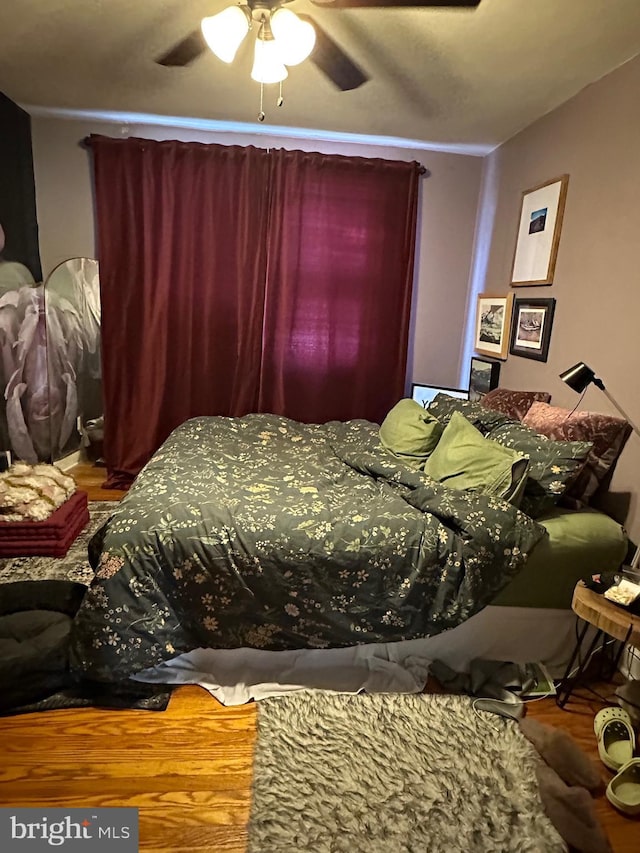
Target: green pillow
{"type": "Point", "coordinates": [464, 459]}
{"type": "Point", "coordinates": [410, 432]}
{"type": "Point", "coordinates": [553, 464]}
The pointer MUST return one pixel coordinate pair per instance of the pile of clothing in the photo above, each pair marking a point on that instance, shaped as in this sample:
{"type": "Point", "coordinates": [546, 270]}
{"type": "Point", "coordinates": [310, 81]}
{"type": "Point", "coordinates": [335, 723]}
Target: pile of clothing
{"type": "Point", "coordinates": [41, 512]}
{"type": "Point", "coordinates": [33, 492]}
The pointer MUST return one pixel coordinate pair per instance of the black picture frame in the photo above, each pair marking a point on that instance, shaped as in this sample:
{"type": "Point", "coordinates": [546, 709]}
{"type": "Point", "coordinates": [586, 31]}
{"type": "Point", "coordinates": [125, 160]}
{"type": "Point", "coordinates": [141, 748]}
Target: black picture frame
{"type": "Point", "coordinates": [531, 328]}
{"type": "Point", "coordinates": [484, 375]}
{"type": "Point", "coordinates": [424, 394]}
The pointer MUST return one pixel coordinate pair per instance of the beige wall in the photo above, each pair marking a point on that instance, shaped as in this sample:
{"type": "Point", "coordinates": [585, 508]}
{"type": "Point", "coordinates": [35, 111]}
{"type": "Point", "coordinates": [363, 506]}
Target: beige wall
{"type": "Point", "coordinates": [448, 208]}
{"type": "Point", "coordinates": [595, 138]}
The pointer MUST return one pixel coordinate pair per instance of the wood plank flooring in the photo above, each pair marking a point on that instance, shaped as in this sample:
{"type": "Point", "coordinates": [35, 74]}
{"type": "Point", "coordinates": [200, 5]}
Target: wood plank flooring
{"type": "Point", "coordinates": [90, 479]}
{"type": "Point", "coordinates": [188, 769]}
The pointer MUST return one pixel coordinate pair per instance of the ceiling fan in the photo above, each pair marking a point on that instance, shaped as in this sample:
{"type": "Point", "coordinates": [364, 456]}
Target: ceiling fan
{"type": "Point", "coordinates": [297, 37]}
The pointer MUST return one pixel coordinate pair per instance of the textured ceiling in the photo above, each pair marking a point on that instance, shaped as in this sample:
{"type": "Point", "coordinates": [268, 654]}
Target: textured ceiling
{"type": "Point", "coordinates": [437, 75]}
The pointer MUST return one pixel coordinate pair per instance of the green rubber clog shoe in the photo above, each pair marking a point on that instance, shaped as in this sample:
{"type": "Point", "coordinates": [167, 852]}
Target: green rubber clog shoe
{"type": "Point", "coordinates": [616, 737]}
{"type": "Point", "coordinates": [623, 791]}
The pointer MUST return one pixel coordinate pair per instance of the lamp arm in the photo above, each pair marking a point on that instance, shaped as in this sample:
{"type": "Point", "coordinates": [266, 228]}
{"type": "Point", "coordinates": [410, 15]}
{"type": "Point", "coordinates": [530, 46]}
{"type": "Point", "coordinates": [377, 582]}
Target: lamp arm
{"type": "Point", "coordinates": [622, 411]}
{"type": "Point", "coordinates": [636, 557]}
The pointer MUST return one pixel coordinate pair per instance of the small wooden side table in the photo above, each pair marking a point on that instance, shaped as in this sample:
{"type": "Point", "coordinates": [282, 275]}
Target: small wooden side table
{"type": "Point", "coordinates": [609, 619]}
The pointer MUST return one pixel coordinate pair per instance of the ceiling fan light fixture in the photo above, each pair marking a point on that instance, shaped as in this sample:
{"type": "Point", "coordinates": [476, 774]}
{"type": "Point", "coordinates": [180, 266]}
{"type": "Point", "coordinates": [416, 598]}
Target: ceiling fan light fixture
{"type": "Point", "coordinates": [295, 38]}
{"type": "Point", "coordinates": [267, 63]}
{"type": "Point", "coordinates": [225, 31]}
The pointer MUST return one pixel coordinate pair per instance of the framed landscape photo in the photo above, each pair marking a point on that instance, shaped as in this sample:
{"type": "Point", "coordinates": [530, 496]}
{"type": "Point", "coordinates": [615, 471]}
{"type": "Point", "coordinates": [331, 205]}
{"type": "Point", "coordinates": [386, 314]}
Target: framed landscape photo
{"type": "Point", "coordinates": [424, 394]}
{"type": "Point", "coordinates": [541, 213]}
{"type": "Point", "coordinates": [531, 328]}
{"type": "Point", "coordinates": [493, 323]}
{"type": "Point", "coordinates": [483, 377]}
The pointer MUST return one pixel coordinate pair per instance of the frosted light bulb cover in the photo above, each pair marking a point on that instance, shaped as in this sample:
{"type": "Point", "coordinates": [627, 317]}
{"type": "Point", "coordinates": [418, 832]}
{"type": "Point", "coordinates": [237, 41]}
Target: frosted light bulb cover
{"type": "Point", "coordinates": [267, 65]}
{"type": "Point", "coordinates": [225, 31]}
{"type": "Point", "coordinates": [295, 38]}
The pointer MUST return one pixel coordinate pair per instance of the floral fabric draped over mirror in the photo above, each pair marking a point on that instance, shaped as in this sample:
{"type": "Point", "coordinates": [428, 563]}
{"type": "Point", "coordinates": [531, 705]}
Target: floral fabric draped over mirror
{"type": "Point", "coordinates": [50, 370]}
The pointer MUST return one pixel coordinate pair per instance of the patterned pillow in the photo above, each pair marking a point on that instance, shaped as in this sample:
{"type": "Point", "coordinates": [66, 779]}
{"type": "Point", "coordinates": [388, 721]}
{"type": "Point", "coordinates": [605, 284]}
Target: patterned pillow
{"type": "Point", "coordinates": [553, 464]}
{"type": "Point", "coordinates": [513, 404]}
{"type": "Point", "coordinates": [608, 435]}
{"type": "Point", "coordinates": [443, 407]}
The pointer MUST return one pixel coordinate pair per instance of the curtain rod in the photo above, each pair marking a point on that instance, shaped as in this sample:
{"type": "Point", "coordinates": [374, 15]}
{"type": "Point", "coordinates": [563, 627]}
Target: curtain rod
{"type": "Point", "coordinates": [422, 170]}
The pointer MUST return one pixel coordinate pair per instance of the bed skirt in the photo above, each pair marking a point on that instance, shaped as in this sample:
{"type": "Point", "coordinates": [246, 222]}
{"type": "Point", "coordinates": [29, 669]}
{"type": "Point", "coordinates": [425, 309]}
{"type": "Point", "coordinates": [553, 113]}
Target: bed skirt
{"type": "Point", "coordinates": [236, 676]}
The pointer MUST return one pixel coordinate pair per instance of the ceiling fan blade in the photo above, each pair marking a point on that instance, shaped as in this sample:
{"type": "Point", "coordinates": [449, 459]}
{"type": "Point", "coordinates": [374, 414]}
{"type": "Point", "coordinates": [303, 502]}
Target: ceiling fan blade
{"type": "Point", "coordinates": [379, 4]}
{"type": "Point", "coordinates": [185, 51]}
{"type": "Point", "coordinates": [331, 59]}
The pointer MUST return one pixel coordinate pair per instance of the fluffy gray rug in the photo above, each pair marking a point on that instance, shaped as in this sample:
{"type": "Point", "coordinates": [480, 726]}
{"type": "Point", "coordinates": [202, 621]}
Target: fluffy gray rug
{"type": "Point", "coordinates": [74, 566]}
{"type": "Point", "coordinates": [392, 773]}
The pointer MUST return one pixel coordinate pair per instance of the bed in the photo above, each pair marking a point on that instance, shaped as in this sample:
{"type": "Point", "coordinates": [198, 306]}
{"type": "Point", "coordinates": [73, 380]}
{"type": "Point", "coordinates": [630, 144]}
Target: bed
{"type": "Point", "coordinates": [275, 545]}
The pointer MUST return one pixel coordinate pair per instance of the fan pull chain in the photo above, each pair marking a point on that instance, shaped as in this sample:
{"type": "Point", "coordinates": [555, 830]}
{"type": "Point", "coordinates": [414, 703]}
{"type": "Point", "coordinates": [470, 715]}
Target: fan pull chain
{"type": "Point", "coordinates": [280, 100]}
{"type": "Point", "coordinates": [261, 115]}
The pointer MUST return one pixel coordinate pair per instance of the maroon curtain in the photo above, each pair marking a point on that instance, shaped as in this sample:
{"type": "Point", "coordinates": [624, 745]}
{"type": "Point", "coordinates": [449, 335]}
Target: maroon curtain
{"type": "Point", "coordinates": [234, 280]}
{"type": "Point", "coordinates": [341, 247]}
{"type": "Point", "coordinates": [182, 249]}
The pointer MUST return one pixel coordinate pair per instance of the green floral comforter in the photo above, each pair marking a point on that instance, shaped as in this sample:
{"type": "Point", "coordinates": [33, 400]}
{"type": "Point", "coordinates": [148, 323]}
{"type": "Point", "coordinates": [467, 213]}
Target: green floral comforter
{"type": "Point", "coordinates": [265, 532]}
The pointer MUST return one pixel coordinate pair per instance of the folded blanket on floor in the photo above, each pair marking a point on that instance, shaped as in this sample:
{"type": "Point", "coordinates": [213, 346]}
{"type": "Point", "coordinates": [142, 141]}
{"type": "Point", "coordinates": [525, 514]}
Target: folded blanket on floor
{"type": "Point", "coordinates": [51, 537]}
{"type": "Point", "coordinates": [33, 492]}
{"type": "Point", "coordinates": [51, 526]}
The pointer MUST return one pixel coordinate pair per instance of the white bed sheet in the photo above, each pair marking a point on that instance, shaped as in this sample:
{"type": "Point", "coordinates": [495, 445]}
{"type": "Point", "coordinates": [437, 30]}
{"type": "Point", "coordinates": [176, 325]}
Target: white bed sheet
{"type": "Point", "coordinates": [236, 676]}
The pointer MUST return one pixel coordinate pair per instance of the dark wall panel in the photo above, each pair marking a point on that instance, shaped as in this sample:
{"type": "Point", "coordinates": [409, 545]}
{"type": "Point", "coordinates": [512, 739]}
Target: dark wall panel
{"type": "Point", "coordinates": [17, 188]}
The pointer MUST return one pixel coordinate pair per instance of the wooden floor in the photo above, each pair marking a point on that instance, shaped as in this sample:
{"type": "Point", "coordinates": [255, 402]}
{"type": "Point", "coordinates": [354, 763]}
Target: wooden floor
{"type": "Point", "coordinates": [188, 769]}
{"type": "Point", "coordinates": [90, 478]}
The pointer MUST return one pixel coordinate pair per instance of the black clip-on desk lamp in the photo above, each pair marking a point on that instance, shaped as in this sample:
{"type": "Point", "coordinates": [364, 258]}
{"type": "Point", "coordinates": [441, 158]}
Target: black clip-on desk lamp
{"type": "Point", "coordinates": [578, 378]}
